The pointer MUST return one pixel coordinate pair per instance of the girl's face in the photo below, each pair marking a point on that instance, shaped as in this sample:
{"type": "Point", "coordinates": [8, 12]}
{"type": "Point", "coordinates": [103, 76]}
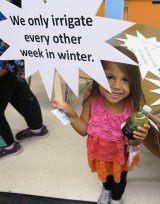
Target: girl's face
{"type": "Point", "coordinates": [119, 84]}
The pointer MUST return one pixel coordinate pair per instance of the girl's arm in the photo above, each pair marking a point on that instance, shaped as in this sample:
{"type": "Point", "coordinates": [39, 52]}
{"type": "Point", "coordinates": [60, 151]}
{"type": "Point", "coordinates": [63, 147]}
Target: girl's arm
{"type": "Point", "coordinates": [79, 123]}
{"type": "Point", "coordinates": [139, 135]}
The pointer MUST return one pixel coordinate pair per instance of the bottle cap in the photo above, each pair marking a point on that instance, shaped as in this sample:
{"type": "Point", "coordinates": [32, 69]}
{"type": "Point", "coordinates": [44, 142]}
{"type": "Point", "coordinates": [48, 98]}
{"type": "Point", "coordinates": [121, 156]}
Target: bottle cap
{"type": "Point", "coordinates": [147, 109]}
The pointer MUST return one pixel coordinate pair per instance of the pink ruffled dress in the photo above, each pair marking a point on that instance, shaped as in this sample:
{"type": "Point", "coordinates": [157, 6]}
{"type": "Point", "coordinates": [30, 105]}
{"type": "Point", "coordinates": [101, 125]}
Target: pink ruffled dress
{"type": "Point", "coordinates": [106, 142]}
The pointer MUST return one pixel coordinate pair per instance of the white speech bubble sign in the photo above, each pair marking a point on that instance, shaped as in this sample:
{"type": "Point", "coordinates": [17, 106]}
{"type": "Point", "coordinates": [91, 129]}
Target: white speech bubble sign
{"type": "Point", "coordinates": [61, 34]}
{"type": "Point", "coordinates": [147, 51]}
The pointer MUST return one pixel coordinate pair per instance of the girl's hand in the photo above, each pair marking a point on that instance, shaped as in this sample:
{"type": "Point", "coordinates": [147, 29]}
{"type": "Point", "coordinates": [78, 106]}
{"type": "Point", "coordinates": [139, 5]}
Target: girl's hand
{"type": "Point", "coordinates": [77, 122]}
{"type": "Point", "coordinates": [65, 107]}
{"type": "Point", "coordinates": [142, 132]}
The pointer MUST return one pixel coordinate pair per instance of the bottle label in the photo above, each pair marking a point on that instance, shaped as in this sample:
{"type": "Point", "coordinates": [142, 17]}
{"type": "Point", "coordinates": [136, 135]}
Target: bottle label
{"type": "Point", "coordinates": [129, 128]}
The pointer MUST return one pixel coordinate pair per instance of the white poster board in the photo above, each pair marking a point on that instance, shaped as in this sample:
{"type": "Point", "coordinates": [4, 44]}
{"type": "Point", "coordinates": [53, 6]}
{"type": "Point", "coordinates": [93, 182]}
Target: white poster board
{"type": "Point", "coordinates": [50, 37]}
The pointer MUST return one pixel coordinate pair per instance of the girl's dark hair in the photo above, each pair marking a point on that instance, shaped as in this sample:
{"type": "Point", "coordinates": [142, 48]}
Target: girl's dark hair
{"type": "Point", "coordinates": [133, 72]}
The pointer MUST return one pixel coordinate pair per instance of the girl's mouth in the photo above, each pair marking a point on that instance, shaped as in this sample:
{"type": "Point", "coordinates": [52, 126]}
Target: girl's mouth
{"type": "Point", "coordinates": [115, 95]}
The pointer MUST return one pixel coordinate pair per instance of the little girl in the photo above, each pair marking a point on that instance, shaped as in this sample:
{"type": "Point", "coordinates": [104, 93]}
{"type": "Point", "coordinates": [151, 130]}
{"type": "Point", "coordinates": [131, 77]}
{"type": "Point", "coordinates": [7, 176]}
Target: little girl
{"type": "Point", "coordinates": [102, 115]}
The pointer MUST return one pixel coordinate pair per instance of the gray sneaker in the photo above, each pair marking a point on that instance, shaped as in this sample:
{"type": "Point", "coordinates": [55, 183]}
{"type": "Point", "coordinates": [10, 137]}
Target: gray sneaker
{"type": "Point", "coordinates": [104, 197]}
{"type": "Point", "coordinates": [10, 152]}
{"type": "Point", "coordinates": [27, 133]}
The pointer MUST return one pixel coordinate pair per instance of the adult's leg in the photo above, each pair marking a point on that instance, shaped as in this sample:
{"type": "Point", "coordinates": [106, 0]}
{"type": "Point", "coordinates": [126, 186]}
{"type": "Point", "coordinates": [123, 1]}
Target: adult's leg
{"type": "Point", "coordinates": [25, 102]}
{"type": "Point", "coordinates": [118, 188]}
{"type": "Point", "coordinates": [7, 87]}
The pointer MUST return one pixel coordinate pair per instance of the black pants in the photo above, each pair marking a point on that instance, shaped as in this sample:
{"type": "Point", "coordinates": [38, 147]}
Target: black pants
{"type": "Point", "coordinates": [23, 100]}
{"type": "Point", "coordinates": [116, 188]}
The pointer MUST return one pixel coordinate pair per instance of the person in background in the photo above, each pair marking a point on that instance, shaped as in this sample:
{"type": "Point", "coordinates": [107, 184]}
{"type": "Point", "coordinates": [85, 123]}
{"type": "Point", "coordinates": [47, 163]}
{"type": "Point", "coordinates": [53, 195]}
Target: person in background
{"type": "Point", "coordinates": [15, 90]}
{"type": "Point", "coordinates": [102, 115]}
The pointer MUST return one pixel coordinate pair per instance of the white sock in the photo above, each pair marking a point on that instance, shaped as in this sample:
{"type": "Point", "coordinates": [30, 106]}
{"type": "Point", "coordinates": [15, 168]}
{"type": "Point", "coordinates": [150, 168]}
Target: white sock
{"type": "Point", "coordinates": [107, 191]}
{"type": "Point", "coordinates": [115, 201]}
{"type": "Point", "coordinates": [9, 147]}
{"type": "Point", "coordinates": [36, 131]}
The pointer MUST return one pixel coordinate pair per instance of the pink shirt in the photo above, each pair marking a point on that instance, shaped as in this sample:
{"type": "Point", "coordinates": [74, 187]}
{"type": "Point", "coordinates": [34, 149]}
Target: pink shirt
{"type": "Point", "coordinates": [105, 124]}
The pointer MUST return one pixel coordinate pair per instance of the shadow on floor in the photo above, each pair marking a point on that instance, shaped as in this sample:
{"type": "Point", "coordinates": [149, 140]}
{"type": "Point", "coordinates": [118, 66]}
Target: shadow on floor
{"type": "Point", "coordinates": [15, 198]}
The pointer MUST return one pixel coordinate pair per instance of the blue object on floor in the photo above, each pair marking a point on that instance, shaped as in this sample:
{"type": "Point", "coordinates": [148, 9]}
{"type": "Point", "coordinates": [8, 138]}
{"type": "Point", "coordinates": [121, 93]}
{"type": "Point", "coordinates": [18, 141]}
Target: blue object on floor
{"type": "Point", "coordinates": [2, 142]}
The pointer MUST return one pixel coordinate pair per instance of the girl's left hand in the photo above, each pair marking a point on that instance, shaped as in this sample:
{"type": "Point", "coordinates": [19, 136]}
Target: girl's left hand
{"type": "Point", "coordinates": [142, 132]}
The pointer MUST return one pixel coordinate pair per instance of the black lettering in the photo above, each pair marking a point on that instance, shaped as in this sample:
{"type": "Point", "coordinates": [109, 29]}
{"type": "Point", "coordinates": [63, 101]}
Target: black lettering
{"type": "Point", "coordinates": [16, 20]}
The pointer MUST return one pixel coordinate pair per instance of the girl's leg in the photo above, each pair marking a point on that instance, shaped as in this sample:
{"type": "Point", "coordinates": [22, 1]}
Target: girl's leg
{"type": "Point", "coordinates": [118, 188]}
{"type": "Point", "coordinates": [108, 184]}
{"type": "Point", "coordinates": [106, 192]}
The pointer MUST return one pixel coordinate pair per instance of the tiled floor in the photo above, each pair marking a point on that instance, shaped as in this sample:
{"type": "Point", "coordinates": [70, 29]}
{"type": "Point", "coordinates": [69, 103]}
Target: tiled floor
{"type": "Point", "coordinates": [57, 166]}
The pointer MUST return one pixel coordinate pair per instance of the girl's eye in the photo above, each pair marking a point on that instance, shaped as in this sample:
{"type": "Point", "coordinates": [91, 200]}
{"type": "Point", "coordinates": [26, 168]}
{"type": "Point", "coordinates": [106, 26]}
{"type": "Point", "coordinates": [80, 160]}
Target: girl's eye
{"type": "Point", "coordinates": [109, 77]}
{"type": "Point", "coordinates": [125, 79]}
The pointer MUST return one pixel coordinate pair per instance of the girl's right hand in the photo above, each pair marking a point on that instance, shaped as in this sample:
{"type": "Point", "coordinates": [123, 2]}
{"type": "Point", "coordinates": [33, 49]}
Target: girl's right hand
{"type": "Point", "coordinates": [65, 107]}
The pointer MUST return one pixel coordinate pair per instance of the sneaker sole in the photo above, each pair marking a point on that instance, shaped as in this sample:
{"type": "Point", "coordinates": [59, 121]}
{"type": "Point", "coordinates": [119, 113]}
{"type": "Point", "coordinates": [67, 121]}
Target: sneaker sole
{"type": "Point", "coordinates": [12, 154]}
{"type": "Point", "coordinates": [33, 137]}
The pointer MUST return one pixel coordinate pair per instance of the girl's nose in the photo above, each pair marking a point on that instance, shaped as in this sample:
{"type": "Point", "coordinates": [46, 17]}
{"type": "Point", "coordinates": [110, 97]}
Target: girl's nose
{"type": "Point", "coordinates": [116, 84]}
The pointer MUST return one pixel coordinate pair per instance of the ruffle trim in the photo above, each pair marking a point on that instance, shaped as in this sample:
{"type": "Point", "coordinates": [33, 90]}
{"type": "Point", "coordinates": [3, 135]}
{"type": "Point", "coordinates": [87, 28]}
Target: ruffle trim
{"type": "Point", "coordinates": [105, 169]}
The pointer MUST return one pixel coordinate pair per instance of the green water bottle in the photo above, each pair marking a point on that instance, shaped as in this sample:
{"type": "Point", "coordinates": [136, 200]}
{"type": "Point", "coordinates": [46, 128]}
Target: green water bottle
{"type": "Point", "coordinates": [137, 119]}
